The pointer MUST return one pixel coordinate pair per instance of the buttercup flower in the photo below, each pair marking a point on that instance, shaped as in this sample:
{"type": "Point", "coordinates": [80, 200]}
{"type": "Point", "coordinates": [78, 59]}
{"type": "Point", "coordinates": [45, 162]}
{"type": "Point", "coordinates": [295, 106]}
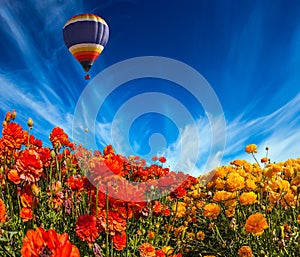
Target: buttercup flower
{"type": "Point", "coordinates": [13, 136]}
{"type": "Point", "coordinates": [180, 210]}
{"type": "Point", "coordinates": [211, 210]}
{"type": "Point", "coordinates": [247, 198]}
{"type": "Point", "coordinates": [41, 243]}
{"type": "Point", "coordinates": [59, 138]}
{"type": "Point", "coordinates": [119, 240]}
{"type": "Point", "coordinates": [26, 214]}
{"type": "Point", "coordinates": [200, 235]}
{"type": "Point", "coordinates": [2, 211]}
{"type": "Point", "coordinates": [147, 250]}
{"type": "Point", "coordinates": [29, 166]}
{"type": "Point", "coordinates": [86, 228]}
{"type": "Point", "coordinates": [252, 148]}
{"type": "Point", "coordinates": [245, 251]}
{"type": "Point", "coordinates": [256, 224]}
{"type": "Point", "coordinates": [234, 181]}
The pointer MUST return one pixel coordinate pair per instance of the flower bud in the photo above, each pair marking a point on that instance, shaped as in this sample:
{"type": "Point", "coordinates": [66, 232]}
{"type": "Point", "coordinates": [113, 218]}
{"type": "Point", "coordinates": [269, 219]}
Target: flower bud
{"type": "Point", "coordinates": [8, 117]}
{"type": "Point", "coordinates": [52, 154]}
{"type": "Point", "coordinates": [30, 123]}
{"type": "Point", "coordinates": [13, 114]}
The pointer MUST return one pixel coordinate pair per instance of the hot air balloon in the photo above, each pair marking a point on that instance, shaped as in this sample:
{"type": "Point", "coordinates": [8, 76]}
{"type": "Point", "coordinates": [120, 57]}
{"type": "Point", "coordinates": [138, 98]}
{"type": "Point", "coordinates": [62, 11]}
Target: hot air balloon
{"type": "Point", "coordinates": [86, 35]}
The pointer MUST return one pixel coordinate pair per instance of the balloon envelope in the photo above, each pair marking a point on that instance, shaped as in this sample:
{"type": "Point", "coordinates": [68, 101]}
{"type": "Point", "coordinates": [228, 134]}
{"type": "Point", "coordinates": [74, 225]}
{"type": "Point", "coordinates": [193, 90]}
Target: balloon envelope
{"type": "Point", "coordinates": [86, 35]}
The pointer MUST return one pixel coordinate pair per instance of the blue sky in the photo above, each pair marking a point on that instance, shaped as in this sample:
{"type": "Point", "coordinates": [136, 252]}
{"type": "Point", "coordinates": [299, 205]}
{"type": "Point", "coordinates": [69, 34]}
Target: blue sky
{"type": "Point", "coordinates": [248, 52]}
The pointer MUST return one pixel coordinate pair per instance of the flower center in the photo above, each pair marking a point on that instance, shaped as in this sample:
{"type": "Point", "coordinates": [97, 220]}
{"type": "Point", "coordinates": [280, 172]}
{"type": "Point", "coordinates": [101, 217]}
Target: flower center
{"type": "Point", "coordinates": [45, 252]}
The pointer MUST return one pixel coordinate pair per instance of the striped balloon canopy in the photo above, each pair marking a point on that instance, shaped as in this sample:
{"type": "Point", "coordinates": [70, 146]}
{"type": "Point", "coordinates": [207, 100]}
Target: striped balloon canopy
{"type": "Point", "coordinates": [86, 35]}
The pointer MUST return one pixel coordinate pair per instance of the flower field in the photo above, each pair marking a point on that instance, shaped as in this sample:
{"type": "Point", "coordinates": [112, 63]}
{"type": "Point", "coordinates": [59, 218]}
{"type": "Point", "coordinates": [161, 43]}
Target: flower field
{"type": "Point", "coordinates": [65, 200]}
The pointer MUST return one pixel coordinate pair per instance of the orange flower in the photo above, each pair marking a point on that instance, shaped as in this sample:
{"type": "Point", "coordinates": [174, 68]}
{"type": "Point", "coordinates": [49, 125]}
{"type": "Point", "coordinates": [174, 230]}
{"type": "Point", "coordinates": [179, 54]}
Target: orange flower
{"type": "Point", "coordinates": [245, 251]}
{"type": "Point", "coordinates": [86, 228]}
{"type": "Point", "coordinates": [252, 148]}
{"type": "Point", "coordinates": [299, 219]}
{"type": "Point", "coordinates": [247, 198]}
{"type": "Point", "coordinates": [2, 211]}
{"type": "Point", "coordinates": [119, 240]}
{"type": "Point", "coordinates": [26, 214]}
{"type": "Point", "coordinates": [256, 224]}
{"type": "Point", "coordinates": [29, 165]}
{"type": "Point", "coordinates": [147, 250]}
{"type": "Point", "coordinates": [13, 176]}
{"type": "Point", "coordinates": [211, 210]}
{"type": "Point", "coordinates": [41, 243]}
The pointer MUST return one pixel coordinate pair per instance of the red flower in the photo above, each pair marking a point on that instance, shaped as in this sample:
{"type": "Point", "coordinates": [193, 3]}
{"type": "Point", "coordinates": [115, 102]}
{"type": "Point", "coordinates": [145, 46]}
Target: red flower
{"type": "Point", "coordinates": [76, 183]}
{"type": "Point", "coordinates": [178, 193]}
{"type": "Point", "coordinates": [108, 150]}
{"type": "Point", "coordinates": [41, 243]}
{"type": "Point", "coordinates": [116, 222]}
{"type": "Point", "coordinates": [162, 159]}
{"type": "Point", "coordinates": [26, 214]}
{"type": "Point", "coordinates": [13, 136]}
{"type": "Point", "coordinates": [2, 211]}
{"type": "Point", "coordinates": [59, 138]}
{"type": "Point", "coordinates": [45, 156]}
{"type": "Point", "coordinates": [159, 253]}
{"type": "Point", "coordinates": [29, 165]}
{"type": "Point", "coordinates": [86, 228]}
{"type": "Point", "coordinates": [119, 240]}
{"type": "Point", "coordinates": [157, 208]}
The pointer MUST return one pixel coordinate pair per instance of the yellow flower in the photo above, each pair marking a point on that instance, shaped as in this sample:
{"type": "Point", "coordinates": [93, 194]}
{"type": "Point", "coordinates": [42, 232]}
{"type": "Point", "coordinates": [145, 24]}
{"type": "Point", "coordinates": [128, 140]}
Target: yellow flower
{"type": "Point", "coordinates": [181, 210]}
{"type": "Point", "coordinates": [256, 224]}
{"type": "Point", "coordinates": [200, 235]}
{"type": "Point", "coordinates": [223, 195]}
{"type": "Point", "coordinates": [252, 148]}
{"type": "Point", "coordinates": [211, 210]}
{"type": "Point", "coordinates": [245, 251]}
{"type": "Point", "coordinates": [200, 204]}
{"type": "Point", "coordinates": [167, 249]}
{"type": "Point", "coordinates": [250, 184]}
{"type": "Point", "coordinates": [238, 163]}
{"type": "Point", "coordinates": [247, 198]}
{"type": "Point", "coordinates": [229, 212]}
{"type": "Point", "coordinates": [234, 182]}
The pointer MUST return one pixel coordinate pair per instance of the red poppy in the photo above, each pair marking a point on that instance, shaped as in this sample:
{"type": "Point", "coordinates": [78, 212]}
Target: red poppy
{"type": "Point", "coordinates": [86, 228]}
